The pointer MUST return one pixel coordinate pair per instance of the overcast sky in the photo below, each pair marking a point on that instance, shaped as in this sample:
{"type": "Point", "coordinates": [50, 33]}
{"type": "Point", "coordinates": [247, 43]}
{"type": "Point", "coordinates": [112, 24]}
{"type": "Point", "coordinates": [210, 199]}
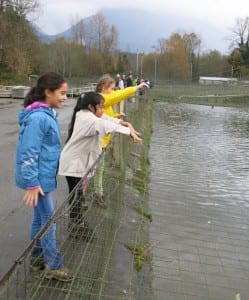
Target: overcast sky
{"type": "Point", "coordinates": [56, 15]}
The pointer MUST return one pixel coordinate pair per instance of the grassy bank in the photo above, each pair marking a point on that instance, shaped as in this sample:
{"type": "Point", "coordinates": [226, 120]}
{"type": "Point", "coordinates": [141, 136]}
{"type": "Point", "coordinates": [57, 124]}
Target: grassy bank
{"type": "Point", "coordinates": [224, 95]}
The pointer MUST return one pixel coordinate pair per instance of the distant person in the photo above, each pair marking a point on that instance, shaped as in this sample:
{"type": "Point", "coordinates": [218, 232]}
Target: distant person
{"type": "Point", "coordinates": [83, 146]}
{"type": "Point", "coordinates": [136, 81]}
{"type": "Point", "coordinates": [106, 86]}
{"type": "Point", "coordinates": [117, 82]}
{"type": "Point", "coordinates": [37, 158]}
{"type": "Point", "coordinates": [124, 80]}
{"type": "Point", "coordinates": [120, 83]}
{"type": "Point", "coordinates": [121, 87]}
{"type": "Point", "coordinates": [129, 80]}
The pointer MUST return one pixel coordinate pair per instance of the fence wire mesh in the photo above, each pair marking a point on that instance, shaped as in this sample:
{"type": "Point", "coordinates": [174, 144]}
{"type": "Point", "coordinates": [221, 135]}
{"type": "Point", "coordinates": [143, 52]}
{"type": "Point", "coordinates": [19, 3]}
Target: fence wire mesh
{"type": "Point", "coordinates": [191, 259]}
{"type": "Point", "coordinates": [94, 259]}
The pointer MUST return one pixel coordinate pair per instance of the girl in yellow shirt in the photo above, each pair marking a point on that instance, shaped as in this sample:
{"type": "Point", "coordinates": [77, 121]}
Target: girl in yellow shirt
{"type": "Point", "coordinates": [106, 86]}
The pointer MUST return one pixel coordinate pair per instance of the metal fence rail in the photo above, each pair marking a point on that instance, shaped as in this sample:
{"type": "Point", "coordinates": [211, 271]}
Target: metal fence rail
{"type": "Point", "coordinates": [86, 258]}
{"type": "Point", "coordinates": [91, 260]}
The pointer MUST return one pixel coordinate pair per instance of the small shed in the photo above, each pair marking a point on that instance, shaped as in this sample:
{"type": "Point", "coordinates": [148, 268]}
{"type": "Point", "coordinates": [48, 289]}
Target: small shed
{"type": "Point", "coordinates": [217, 80]}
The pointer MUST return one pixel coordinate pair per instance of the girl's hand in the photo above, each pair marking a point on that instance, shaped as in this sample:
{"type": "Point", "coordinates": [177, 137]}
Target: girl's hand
{"type": "Point", "coordinates": [135, 137]}
{"type": "Point", "coordinates": [31, 196]}
{"type": "Point", "coordinates": [137, 133]}
{"type": "Point", "coordinates": [121, 115]}
{"type": "Point", "coordinates": [142, 85]}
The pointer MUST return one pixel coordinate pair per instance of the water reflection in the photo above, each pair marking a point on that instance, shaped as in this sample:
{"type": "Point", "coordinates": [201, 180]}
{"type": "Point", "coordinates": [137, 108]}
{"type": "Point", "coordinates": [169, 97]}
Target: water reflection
{"type": "Point", "coordinates": [199, 198]}
{"type": "Point", "coordinates": [200, 153]}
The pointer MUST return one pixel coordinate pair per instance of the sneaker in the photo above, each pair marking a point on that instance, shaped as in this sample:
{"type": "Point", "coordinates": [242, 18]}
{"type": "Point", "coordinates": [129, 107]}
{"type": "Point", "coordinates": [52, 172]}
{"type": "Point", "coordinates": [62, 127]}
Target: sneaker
{"type": "Point", "coordinates": [37, 263]}
{"type": "Point", "coordinates": [62, 274]}
{"type": "Point", "coordinates": [100, 201]}
{"type": "Point", "coordinates": [80, 231]}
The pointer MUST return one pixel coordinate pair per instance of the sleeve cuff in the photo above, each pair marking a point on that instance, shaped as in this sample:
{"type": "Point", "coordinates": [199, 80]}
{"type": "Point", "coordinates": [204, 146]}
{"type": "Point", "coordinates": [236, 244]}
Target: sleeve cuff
{"type": "Point", "coordinates": [32, 187]}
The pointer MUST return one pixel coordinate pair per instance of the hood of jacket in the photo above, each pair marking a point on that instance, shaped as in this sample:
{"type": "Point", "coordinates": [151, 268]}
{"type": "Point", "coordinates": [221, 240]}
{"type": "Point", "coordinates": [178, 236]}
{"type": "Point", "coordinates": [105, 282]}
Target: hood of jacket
{"type": "Point", "coordinates": [33, 108]}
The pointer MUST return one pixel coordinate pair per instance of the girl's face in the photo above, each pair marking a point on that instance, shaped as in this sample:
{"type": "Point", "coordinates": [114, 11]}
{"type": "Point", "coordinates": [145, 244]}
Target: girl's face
{"type": "Point", "coordinates": [99, 109]}
{"type": "Point", "coordinates": [109, 89]}
{"type": "Point", "coordinates": [56, 98]}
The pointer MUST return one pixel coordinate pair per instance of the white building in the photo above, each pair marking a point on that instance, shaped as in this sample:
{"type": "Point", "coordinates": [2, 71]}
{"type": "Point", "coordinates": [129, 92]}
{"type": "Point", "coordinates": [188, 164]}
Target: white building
{"type": "Point", "coordinates": [217, 80]}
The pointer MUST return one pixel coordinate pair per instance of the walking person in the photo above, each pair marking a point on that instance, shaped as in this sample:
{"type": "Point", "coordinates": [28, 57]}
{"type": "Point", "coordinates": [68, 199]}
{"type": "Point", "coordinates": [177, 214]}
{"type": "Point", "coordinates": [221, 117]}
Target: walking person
{"type": "Point", "coordinates": [37, 156]}
{"type": "Point", "coordinates": [83, 146]}
{"type": "Point", "coordinates": [106, 86]}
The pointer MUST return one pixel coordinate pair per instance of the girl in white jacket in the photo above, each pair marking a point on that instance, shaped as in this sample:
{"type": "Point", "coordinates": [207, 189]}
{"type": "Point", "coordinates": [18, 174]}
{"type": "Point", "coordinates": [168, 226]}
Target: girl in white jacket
{"type": "Point", "coordinates": [83, 147]}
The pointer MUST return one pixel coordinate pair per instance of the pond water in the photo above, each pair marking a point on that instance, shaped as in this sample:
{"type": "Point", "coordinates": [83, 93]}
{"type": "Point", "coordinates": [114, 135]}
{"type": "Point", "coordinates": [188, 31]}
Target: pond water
{"type": "Point", "coordinates": [199, 197]}
{"type": "Point", "coordinates": [200, 150]}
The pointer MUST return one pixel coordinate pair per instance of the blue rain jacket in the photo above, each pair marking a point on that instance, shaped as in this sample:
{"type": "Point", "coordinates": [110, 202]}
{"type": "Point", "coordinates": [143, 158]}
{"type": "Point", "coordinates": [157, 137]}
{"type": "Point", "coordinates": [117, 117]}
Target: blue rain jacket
{"type": "Point", "coordinates": [38, 149]}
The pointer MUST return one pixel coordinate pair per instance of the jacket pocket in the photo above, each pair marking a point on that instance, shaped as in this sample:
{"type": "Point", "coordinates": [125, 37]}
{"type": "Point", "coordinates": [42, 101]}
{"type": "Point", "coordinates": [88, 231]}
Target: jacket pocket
{"type": "Point", "coordinates": [49, 163]}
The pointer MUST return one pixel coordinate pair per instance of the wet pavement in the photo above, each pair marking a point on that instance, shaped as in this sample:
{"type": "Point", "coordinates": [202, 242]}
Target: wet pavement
{"type": "Point", "coordinates": [199, 197]}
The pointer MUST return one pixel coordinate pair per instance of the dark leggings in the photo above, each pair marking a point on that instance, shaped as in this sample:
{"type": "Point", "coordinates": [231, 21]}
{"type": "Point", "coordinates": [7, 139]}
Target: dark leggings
{"type": "Point", "coordinates": [76, 200]}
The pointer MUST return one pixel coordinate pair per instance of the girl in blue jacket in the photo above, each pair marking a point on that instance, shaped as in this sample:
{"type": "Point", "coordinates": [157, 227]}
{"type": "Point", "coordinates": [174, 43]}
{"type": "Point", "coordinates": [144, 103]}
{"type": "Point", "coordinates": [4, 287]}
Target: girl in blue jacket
{"type": "Point", "coordinates": [37, 157]}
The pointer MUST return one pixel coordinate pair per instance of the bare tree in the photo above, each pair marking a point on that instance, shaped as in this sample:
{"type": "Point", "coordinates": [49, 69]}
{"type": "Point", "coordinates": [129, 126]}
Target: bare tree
{"type": "Point", "coordinates": [99, 30]}
{"type": "Point", "coordinates": [21, 7]}
{"type": "Point", "coordinates": [79, 31]}
{"type": "Point", "coordinates": [240, 33]}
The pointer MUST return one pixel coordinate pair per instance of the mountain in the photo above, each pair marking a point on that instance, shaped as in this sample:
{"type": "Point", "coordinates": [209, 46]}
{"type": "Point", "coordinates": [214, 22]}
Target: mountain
{"type": "Point", "coordinates": [139, 30]}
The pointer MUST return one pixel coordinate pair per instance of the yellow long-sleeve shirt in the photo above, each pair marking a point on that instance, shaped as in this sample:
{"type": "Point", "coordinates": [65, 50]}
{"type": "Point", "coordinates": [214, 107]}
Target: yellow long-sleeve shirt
{"type": "Point", "coordinates": [112, 99]}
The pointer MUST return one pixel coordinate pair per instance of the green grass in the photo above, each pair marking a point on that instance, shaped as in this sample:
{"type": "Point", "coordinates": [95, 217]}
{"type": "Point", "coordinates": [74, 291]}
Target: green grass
{"type": "Point", "coordinates": [141, 253]}
{"type": "Point", "coordinates": [231, 95]}
{"type": "Point", "coordinates": [143, 212]}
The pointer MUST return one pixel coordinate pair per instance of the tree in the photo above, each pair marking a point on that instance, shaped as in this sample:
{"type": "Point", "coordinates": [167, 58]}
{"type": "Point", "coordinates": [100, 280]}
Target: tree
{"type": "Point", "coordinates": [79, 31]}
{"type": "Point", "coordinates": [21, 7]}
{"type": "Point", "coordinates": [213, 63]}
{"type": "Point", "coordinates": [239, 56]}
{"type": "Point", "coordinates": [174, 57]}
{"type": "Point", "coordinates": [236, 61]}
{"type": "Point", "coordinates": [99, 31]}
{"type": "Point", "coordinates": [193, 45]}
{"type": "Point", "coordinates": [20, 48]}
{"type": "Point", "coordinates": [177, 57]}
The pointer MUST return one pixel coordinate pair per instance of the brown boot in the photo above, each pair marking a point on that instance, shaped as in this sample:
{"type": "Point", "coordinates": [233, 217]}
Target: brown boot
{"type": "Point", "coordinates": [37, 263]}
{"type": "Point", "coordinates": [62, 274]}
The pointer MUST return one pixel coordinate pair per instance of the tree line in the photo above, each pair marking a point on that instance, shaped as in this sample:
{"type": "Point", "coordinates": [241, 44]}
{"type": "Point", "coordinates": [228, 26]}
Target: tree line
{"type": "Point", "coordinates": [93, 50]}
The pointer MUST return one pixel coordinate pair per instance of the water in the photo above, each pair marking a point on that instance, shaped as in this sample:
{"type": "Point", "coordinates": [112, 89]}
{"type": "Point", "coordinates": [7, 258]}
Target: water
{"type": "Point", "coordinates": [199, 197]}
{"type": "Point", "coordinates": [201, 153]}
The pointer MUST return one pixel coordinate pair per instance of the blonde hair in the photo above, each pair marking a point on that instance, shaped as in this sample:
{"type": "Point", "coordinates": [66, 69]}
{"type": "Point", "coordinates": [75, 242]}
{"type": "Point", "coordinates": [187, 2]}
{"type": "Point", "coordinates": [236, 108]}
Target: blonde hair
{"type": "Point", "coordinates": [104, 82]}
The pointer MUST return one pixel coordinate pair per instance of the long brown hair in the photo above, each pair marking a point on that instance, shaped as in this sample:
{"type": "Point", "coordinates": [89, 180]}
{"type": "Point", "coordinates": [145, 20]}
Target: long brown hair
{"type": "Point", "coordinates": [48, 81]}
{"type": "Point", "coordinates": [104, 82]}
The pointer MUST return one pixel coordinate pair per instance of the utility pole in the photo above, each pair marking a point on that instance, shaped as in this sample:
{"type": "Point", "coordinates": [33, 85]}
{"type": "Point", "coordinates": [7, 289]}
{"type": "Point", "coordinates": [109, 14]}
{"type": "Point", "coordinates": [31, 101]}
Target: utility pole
{"type": "Point", "coordinates": [137, 64]}
{"type": "Point", "coordinates": [142, 57]}
{"type": "Point", "coordinates": [155, 70]}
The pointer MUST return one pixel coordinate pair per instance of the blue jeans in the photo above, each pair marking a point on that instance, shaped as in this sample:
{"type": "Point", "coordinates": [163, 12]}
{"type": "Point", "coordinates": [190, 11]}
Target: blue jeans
{"type": "Point", "coordinates": [46, 246]}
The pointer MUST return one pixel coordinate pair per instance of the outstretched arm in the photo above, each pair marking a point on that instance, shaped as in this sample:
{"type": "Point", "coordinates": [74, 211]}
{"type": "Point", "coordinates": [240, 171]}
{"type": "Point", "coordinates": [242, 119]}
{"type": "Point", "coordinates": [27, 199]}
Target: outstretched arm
{"type": "Point", "coordinates": [128, 124]}
{"type": "Point", "coordinates": [134, 134]}
{"type": "Point", "coordinates": [121, 95]}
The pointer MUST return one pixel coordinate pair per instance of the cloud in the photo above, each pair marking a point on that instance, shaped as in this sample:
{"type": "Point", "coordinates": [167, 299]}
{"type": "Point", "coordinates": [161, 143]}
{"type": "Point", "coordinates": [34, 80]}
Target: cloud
{"type": "Point", "coordinates": [57, 14]}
